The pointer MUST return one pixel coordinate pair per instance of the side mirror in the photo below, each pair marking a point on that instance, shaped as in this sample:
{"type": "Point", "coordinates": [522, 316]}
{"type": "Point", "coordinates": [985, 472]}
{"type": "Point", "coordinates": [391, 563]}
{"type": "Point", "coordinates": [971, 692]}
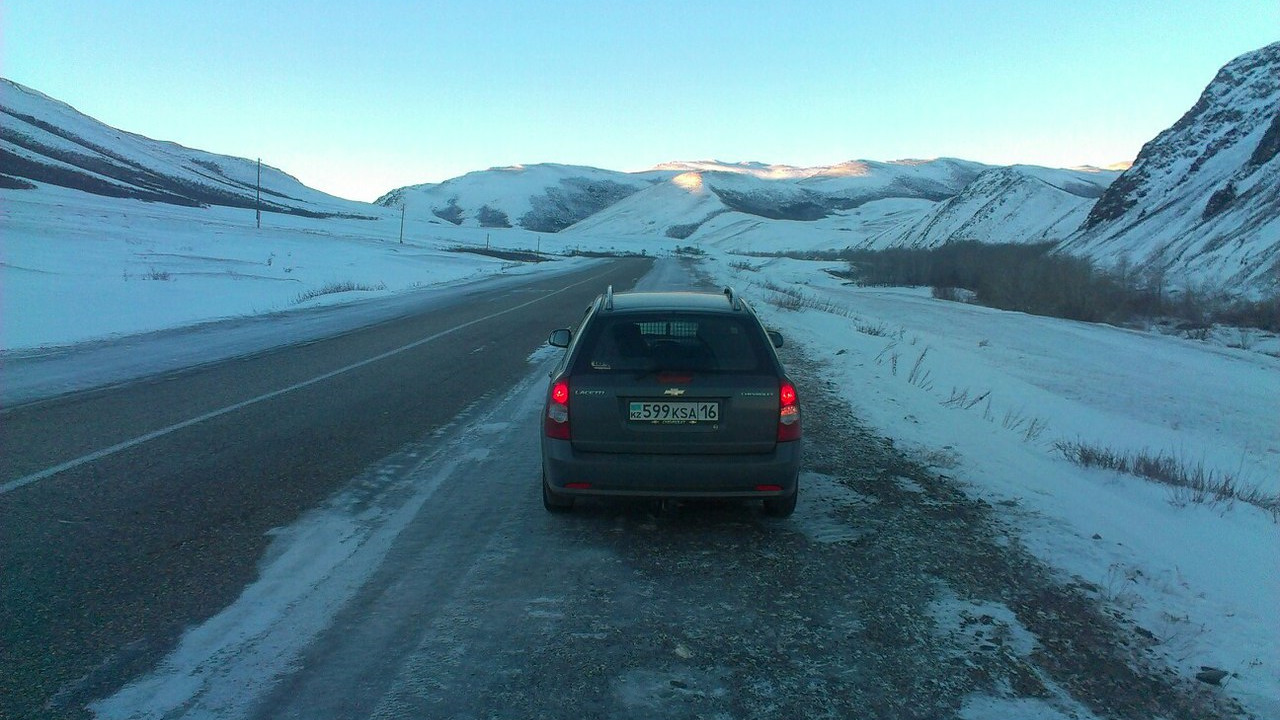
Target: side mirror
{"type": "Point", "coordinates": [560, 338]}
{"type": "Point", "coordinates": [775, 337]}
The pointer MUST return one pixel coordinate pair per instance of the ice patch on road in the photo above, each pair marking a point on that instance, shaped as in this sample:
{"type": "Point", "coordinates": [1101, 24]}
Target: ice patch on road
{"type": "Point", "coordinates": [492, 428]}
{"type": "Point", "coordinates": [985, 707]}
{"type": "Point", "coordinates": [669, 693]}
{"type": "Point", "coordinates": [827, 510]}
{"type": "Point", "coordinates": [977, 626]}
{"type": "Point", "coordinates": [543, 354]}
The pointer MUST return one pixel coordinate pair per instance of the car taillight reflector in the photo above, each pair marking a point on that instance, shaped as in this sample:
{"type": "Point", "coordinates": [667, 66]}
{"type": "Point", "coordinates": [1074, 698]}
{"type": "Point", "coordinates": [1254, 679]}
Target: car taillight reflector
{"type": "Point", "coordinates": [768, 488]}
{"type": "Point", "coordinates": [560, 392]}
{"type": "Point", "coordinates": [788, 413]}
{"type": "Point", "coordinates": [578, 486]}
{"type": "Point", "coordinates": [556, 423]}
{"type": "Point", "coordinates": [787, 394]}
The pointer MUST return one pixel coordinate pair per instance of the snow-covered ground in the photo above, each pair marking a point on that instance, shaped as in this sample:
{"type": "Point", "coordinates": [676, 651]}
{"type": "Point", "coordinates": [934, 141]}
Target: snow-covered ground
{"type": "Point", "coordinates": [77, 267]}
{"type": "Point", "coordinates": [1203, 578]}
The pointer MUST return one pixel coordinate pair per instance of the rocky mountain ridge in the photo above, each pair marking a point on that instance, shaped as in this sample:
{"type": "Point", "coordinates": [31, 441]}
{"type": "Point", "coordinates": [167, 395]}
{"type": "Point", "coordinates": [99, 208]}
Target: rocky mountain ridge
{"type": "Point", "coordinates": [1201, 203]}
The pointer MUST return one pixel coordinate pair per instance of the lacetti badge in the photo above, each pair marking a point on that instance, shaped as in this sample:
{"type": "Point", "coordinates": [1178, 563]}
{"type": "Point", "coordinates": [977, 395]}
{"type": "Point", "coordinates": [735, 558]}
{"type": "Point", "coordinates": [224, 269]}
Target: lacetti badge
{"type": "Point", "coordinates": [673, 392]}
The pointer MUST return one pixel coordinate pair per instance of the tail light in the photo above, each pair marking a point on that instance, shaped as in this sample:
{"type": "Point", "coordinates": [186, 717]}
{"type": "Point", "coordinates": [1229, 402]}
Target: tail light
{"type": "Point", "coordinates": [556, 423]}
{"type": "Point", "coordinates": [788, 412]}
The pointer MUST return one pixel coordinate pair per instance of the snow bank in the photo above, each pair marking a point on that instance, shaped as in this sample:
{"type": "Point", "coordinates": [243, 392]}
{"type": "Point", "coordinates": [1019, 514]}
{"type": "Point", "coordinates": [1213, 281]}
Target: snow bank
{"type": "Point", "coordinates": [1200, 577]}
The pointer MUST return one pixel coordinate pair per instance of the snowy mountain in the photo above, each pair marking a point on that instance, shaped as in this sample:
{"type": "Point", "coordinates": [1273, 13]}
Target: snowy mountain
{"type": "Point", "coordinates": [44, 141]}
{"type": "Point", "coordinates": [1019, 203]}
{"type": "Point", "coordinates": [544, 197]}
{"type": "Point", "coordinates": [1202, 200]}
{"type": "Point", "coordinates": [711, 201]}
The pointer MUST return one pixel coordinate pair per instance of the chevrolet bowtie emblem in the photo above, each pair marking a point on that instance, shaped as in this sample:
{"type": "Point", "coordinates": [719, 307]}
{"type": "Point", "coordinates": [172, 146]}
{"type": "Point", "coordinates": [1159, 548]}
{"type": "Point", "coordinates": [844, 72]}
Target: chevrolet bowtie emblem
{"type": "Point", "coordinates": [673, 392]}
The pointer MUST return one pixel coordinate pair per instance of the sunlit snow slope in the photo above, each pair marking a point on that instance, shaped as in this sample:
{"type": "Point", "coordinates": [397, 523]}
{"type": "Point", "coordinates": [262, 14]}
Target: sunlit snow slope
{"type": "Point", "coordinates": [544, 198]}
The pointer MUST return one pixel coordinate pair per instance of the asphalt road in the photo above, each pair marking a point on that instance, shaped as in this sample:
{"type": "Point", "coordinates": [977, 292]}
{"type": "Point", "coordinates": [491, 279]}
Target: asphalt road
{"type": "Point", "coordinates": [104, 563]}
{"type": "Point", "coordinates": [373, 545]}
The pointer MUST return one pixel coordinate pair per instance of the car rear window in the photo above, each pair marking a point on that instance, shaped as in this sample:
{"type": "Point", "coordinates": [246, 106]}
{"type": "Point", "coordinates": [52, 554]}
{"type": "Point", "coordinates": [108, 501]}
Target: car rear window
{"type": "Point", "coordinates": [696, 343]}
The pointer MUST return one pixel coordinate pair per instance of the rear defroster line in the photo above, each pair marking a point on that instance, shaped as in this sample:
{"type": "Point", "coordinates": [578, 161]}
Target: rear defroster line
{"type": "Point", "coordinates": [141, 439]}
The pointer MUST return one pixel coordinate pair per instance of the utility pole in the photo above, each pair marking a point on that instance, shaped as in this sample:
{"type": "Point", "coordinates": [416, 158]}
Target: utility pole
{"type": "Point", "coordinates": [403, 204]}
{"type": "Point", "coordinates": [257, 201]}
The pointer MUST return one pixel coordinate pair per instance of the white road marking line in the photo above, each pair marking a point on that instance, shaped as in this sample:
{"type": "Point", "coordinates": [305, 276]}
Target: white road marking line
{"type": "Point", "coordinates": [139, 440]}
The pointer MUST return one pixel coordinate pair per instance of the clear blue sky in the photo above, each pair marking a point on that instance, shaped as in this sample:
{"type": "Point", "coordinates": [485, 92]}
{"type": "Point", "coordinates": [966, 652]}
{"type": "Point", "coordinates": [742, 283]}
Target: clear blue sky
{"type": "Point", "coordinates": [359, 98]}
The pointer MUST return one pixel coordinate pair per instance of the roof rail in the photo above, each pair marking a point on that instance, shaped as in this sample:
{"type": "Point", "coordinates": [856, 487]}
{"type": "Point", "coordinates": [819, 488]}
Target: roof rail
{"type": "Point", "coordinates": [608, 298]}
{"type": "Point", "coordinates": [734, 299]}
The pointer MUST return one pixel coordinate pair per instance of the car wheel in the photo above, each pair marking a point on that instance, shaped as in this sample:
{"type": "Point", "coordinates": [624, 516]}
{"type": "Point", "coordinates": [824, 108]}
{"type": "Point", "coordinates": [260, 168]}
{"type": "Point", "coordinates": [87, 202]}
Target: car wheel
{"type": "Point", "coordinates": [781, 507]}
{"type": "Point", "coordinates": [553, 501]}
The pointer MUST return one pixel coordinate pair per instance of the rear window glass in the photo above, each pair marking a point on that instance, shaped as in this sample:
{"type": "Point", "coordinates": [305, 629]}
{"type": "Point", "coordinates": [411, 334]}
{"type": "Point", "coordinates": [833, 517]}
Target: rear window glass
{"type": "Point", "coordinates": [696, 343]}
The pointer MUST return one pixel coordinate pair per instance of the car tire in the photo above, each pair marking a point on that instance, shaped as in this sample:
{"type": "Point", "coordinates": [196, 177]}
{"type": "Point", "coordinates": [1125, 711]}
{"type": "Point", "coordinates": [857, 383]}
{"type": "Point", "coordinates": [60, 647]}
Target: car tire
{"type": "Point", "coordinates": [781, 507]}
{"type": "Point", "coordinates": [555, 502]}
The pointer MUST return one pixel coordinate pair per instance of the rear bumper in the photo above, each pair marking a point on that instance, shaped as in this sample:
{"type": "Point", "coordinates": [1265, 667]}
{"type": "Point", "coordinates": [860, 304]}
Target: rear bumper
{"type": "Point", "coordinates": [670, 475]}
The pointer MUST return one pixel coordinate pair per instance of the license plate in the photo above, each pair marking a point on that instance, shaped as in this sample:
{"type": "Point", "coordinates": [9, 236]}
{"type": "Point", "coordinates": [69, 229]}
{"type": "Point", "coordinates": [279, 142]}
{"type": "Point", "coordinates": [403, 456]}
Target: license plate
{"type": "Point", "coordinates": [674, 412]}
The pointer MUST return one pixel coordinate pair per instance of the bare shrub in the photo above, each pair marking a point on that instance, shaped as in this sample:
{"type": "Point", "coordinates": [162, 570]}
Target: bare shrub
{"type": "Point", "coordinates": [1261, 314]}
{"type": "Point", "coordinates": [1192, 482]}
{"type": "Point", "coordinates": [786, 301]}
{"type": "Point", "coordinates": [918, 375]}
{"type": "Point", "coordinates": [1117, 587]}
{"type": "Point", "coordinates": [1035, 429]}
{"type": "Point", "coordinates": [887, 348]}
{"type": "Point", "coordinates": [961, 399]}
{"type": "Point", "coordinates": [336, 287]}
{"type": "Point", "coordinates": [1032, 278]}
{"type": "Point", "coordinates": [1031, 428]}
{"type": "Point", "coordinates": [790, 297]}
{"type": "Point", "coordinates": [880, 330]}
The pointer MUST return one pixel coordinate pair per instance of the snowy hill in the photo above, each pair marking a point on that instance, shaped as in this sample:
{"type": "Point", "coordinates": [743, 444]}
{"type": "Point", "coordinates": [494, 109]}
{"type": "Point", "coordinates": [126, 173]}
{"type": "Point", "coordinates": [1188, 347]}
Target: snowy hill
{"type": "Point", "coordinates": [44, 141]}
{"type": "Point", "coordinates": [747, 202]}
{"type": "Point", "coordinates": [1020, 203]}
{"type": "Point", "coordinates": [661, 210]}
{"type": "Point", "coordinates": [544, 197]}
{"type": "Point", "coordinates": [1202, 200]}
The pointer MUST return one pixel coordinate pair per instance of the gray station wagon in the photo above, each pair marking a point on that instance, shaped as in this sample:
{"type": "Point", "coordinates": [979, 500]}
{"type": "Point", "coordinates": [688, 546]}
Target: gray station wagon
{"type": "Point", "coordinates": [670, 395]}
